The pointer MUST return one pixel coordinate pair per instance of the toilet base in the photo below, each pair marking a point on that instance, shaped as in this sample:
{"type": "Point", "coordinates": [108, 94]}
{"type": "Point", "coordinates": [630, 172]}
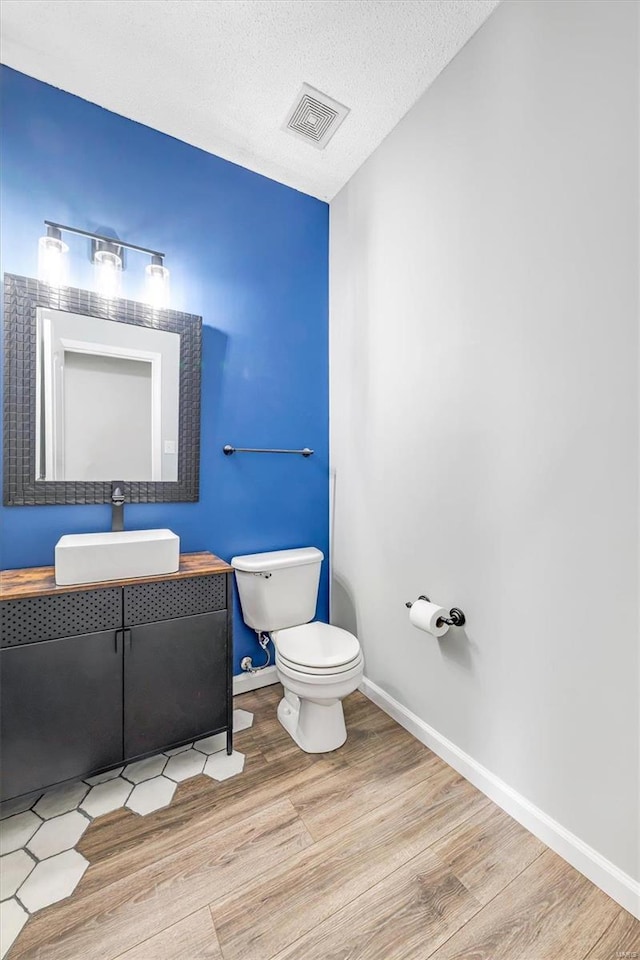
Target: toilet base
{"type": "Point", "coordinates": [316, 726]}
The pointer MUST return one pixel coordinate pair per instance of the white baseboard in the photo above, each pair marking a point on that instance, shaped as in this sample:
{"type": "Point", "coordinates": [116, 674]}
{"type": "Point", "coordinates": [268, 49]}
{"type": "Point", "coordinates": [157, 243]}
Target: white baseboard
{"type": "Point", "coordinates": [618, 885]}
{"type": "Point", "coordinates": [244, 682]}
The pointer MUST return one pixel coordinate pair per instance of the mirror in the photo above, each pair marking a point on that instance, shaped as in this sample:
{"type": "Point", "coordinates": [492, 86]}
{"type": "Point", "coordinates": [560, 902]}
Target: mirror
{"type": "Point", "coordinates": [98, 390]}
{"type": "Point", "coordinates": [108, 399]}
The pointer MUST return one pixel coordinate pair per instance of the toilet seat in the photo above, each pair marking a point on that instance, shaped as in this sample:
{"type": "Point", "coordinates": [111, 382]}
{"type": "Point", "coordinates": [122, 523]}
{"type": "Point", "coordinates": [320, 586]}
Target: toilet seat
{"type": "Point", "coordinates": [315, 680]}
{"type": "Point", "coordinates": [317, 648]}
{"type": "Point", "coordinates": [318, 671]}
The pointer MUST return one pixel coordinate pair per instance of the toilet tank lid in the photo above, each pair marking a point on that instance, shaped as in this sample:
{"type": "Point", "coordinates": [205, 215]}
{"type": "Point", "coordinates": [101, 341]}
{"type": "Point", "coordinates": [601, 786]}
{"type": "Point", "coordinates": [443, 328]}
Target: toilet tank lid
{"type": "Point", "coordinates": [277, 559]}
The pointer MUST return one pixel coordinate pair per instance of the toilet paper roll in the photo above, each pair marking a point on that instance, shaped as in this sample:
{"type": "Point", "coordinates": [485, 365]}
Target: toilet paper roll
{"type": "Point", "coordinates": [425, 616]}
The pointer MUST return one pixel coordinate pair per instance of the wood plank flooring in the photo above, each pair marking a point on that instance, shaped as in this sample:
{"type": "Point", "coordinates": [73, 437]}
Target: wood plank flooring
{"type": "Point", "coordinates": [378, 851]}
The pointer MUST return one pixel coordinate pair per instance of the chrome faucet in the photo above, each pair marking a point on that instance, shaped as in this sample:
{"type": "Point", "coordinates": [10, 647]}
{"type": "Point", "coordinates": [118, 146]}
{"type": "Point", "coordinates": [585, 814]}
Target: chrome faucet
{"type": "Point", "coordinates": [117, 506]}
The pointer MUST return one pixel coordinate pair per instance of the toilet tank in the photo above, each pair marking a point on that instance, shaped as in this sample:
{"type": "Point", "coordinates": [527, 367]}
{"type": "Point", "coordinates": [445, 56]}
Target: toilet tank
{"type": "Point", "coordinates": [278, 589]}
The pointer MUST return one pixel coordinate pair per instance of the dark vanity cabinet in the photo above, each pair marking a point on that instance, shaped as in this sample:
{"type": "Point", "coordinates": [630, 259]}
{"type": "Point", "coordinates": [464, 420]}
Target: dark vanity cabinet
{"type": "Point", "coordinates": [175, 661]}
{"type": "Point", "coordinates": [92, 677]}
{"type": "Point", "coordinates": [61, 710]}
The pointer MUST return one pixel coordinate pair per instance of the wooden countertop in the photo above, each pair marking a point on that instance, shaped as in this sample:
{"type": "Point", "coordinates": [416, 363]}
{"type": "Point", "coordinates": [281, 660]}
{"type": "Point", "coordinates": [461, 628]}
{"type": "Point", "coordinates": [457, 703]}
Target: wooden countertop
{"type": "Point", "coordinates": [41, 582]}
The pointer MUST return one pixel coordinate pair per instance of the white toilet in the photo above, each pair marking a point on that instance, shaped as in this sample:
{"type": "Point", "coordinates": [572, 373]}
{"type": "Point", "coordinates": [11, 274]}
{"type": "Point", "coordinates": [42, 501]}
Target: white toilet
{"type": "Point", "coordinates": [317, 664]}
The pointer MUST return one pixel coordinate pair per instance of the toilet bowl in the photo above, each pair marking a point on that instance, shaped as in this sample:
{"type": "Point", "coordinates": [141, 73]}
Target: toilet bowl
{"type": "Point", "coordinates": [312, 714]}
{"type": "Point", "coordinates": [318, 664]}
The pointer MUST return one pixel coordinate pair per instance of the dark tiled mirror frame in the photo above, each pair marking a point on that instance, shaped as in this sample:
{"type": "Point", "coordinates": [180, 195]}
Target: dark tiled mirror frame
{"type": "Point", "coordinates": [22, 297]}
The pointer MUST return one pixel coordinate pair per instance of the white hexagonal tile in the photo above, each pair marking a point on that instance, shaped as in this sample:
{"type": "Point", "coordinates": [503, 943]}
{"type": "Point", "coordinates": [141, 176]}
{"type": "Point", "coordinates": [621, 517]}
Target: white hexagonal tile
{"type": "Point", "coordinates": [11, 807]}
{"type": "Point", "coordinates": [61, 799]}
{"type": "Point", "coordinates": [52, 880]}
{"type": "Point", "coordinates": [16, 831]}
{"type": "Point", "coordinates": [151, 795]}
{"type": "Point", "coordinates": [211, 744]}
{"type": "Point", "coordinates": [221, 766]}
{"type": "Point", "coordinates": [103, 777]}
{"type": "Point", "coordinates": [14, 869]}
{"type": "Point", "coordinates": [58, 834]}
{"type": "Point", "coordinates": [145, 769]}
{"type": "Point", "coordinates": [242, 720]}
{"type": "Point", "coordinates": [106, 797]}
{"type": "Point", "coordinates": [172, 753]}
{"type": "Point", "coordinates": [184, 765]}
{"type": "Point", "coordinates": [12, 919]}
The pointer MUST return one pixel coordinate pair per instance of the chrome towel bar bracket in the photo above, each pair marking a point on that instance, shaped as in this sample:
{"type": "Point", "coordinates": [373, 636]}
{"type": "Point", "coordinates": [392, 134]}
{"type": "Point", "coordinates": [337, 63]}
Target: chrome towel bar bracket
{"type": "Point", "coordinates": [456, 617]}
{"type": "Point", "coordinates": [228, 450]}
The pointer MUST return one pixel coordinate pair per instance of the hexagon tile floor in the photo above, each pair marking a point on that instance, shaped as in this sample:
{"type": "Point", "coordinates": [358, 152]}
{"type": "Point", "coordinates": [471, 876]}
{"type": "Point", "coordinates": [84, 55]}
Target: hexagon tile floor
{"type": "Point", "coordinates": [39, 864]}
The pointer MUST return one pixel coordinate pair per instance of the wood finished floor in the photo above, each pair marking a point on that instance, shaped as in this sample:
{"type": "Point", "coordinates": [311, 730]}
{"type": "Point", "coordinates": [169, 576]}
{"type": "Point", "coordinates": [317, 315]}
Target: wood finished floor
{"type": "Point", "coordinates": [379, 851]}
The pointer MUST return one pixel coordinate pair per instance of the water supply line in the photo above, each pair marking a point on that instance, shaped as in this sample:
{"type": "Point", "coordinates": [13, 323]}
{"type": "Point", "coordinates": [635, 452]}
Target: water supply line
{"type": "Point", "coordinates": [246, 663]}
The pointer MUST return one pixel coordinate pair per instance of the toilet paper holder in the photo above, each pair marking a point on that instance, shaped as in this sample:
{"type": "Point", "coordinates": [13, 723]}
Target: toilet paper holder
{"type": "Point", "coordinates": [456, 617]}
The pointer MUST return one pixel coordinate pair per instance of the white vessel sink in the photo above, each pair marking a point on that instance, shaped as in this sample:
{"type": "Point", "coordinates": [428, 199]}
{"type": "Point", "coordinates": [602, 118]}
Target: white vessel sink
{"type": "Point", "coordinates": [92, 557]}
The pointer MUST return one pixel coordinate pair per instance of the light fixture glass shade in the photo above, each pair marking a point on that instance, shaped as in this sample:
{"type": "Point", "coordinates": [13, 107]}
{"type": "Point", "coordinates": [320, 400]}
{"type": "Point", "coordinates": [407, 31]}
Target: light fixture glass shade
{"type": "Point", "coordinates": [157, 284]}
{"type": "Point", "coordinates": [108, 265]}
{"type": "Point", "coordinates": [52, 262]}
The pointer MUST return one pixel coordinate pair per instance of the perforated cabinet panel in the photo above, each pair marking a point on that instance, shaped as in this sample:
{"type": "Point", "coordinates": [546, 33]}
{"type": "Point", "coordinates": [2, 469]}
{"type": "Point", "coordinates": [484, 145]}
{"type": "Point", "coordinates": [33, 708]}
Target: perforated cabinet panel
{"type": "Point", "coordinates": [64, 615]}
{"type": "Point", "coordinates": [150, 602]}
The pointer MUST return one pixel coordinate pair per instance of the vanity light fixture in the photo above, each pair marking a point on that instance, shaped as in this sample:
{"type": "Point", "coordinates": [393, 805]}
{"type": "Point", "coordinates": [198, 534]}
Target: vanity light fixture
{"type": "Point", "coordinates": [157, 282]}
{"type": "Point", "coordinates": [108, 255]}
{"type": "Point", "coordinates": [109, 262]}
{"type": "Point", "coordinates": [51, 257]}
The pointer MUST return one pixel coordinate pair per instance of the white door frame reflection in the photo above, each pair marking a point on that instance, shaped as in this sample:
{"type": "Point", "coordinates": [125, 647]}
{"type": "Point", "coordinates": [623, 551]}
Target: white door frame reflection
{"type": "Point", "coordinates": [92, 420]}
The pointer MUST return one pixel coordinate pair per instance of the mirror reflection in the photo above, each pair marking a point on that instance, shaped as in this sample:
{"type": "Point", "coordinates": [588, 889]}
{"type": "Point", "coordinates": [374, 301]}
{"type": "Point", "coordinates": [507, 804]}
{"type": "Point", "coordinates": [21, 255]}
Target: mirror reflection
{"type": "Point", "coordinates": [107, 404]}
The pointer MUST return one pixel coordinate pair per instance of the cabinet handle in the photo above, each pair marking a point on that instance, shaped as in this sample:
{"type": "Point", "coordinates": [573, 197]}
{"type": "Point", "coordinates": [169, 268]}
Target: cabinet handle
{"type": "Point", "coordinates": [118, 634]}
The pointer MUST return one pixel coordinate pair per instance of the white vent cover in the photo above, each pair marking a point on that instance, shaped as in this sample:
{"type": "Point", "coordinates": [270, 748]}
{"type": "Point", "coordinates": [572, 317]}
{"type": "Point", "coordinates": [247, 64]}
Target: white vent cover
{"type": "Point", "coordinates": [315, 117]}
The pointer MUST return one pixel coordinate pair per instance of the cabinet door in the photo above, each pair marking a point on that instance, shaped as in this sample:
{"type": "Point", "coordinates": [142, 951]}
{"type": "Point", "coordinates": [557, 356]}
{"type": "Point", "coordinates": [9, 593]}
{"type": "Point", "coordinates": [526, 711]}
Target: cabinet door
{"type": "Point", "coordinates": [174, 681]}
{"type": "Point", "coordinates": [60, 710]}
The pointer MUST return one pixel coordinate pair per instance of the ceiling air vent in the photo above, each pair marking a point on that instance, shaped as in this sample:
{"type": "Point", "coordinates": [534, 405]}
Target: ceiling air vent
{"type": "Point", "coordinates": [315, 117]}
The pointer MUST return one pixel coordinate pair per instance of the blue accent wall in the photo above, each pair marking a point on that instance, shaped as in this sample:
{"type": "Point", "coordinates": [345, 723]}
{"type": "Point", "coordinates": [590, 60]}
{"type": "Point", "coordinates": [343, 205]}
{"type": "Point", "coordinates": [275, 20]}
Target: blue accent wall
{"type": "Point", "coordinates": [246, 253]}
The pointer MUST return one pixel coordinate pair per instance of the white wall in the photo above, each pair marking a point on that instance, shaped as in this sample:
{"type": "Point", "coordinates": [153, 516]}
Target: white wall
{"type": "Point", "coordinates": [107, 418]}
{"type": "Point", "coordinates": [484, 377]}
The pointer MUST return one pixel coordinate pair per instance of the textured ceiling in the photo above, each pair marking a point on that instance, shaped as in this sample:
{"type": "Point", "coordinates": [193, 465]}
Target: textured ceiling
{"type": "Point", "coordinates": [222, 74]}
